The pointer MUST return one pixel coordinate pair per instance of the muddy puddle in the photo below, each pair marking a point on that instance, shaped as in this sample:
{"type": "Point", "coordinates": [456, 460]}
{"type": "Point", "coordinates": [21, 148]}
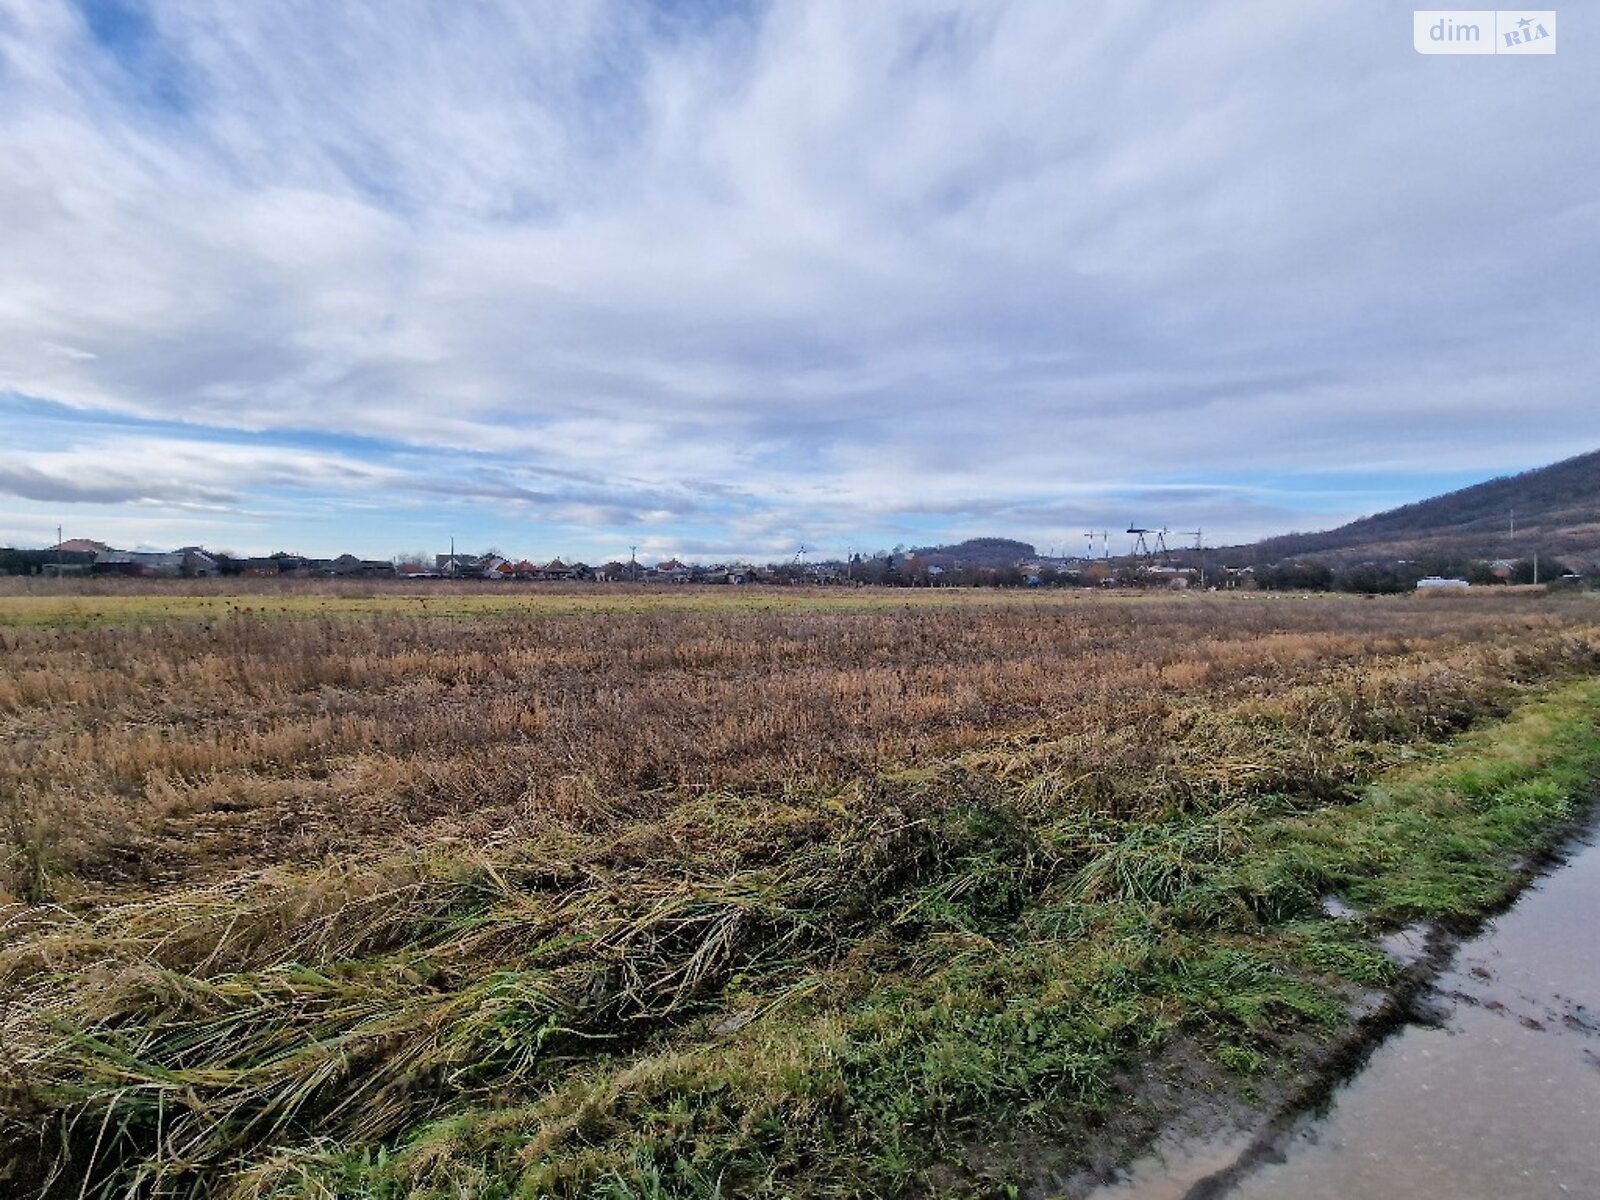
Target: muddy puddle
{"type": "Point", "coordinates": [1496, 1096]}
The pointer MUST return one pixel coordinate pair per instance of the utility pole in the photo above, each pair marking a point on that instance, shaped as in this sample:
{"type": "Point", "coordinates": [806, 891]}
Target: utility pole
{"type": "Point", "coordinates": [633, 563]}
{"type": "Point", "coordinates": [1200, 553]}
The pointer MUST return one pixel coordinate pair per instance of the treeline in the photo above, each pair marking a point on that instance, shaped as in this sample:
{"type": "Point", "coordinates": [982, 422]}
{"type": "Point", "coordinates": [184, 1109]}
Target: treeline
{"type": "Point", "coordinates": [906, 571]}
{"type": "Point", "coordinates": [1312, 575]}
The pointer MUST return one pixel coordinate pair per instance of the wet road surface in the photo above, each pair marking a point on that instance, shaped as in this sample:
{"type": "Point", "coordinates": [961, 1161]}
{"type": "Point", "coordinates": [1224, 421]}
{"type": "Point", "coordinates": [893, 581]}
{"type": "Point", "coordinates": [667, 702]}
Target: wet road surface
{"type": "Point", "coordinates": [1499, 1100]}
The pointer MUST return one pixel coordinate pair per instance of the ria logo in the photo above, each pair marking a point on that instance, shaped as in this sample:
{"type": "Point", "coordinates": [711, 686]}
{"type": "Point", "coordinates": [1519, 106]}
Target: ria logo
{"type": "Point", "coordinates": [1483, 31]}
{"type": "Point", "coordinates": [1528, 30]}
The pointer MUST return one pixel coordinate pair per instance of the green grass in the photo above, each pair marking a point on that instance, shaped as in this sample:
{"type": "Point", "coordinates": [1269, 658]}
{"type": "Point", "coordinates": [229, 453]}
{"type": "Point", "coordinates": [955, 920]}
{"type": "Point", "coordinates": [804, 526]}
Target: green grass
{"type": "Point", "coordinates": [825, 995]}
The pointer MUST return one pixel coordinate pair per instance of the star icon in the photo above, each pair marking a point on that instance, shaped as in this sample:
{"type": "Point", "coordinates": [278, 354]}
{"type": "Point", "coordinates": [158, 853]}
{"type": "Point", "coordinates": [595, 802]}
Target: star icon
{"type": "Point", "coordinates": [1525, 22]}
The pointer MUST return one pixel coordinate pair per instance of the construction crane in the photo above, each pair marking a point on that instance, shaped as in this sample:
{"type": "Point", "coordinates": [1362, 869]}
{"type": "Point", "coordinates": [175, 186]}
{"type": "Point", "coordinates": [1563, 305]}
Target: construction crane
{"type": "Point", "coordinates": [1142, 546]}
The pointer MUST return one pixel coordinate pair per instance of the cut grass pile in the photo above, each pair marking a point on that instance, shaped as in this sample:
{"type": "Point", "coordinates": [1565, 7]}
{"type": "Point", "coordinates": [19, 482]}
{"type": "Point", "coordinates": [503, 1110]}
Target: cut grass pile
{"type": "Point", "coordinates": [820, 990]}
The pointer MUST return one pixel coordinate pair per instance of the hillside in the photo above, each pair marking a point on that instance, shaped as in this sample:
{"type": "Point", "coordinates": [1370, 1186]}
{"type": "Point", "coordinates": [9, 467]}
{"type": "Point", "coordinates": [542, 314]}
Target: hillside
{"type": "Point", "coordinates": [1557, 513]}
{"type": "Point", "coordinates": [978, 552]}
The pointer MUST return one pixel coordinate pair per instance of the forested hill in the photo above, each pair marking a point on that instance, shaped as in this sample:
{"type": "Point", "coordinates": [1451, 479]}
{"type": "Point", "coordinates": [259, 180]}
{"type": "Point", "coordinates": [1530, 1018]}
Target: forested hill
{"type": "Point", "coordinates": [978, 552]}
{"type": "Point", "coordinates": [1557, 512]}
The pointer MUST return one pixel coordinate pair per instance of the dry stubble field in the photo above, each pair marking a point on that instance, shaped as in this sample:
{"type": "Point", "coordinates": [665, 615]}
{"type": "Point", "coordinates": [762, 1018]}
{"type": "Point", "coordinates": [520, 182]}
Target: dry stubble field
{"type": "Point", "coordinates": [494, 891]}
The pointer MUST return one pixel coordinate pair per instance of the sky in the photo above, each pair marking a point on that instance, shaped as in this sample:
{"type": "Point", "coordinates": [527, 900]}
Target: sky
{"type": "Point", "coordinates": [722, 279]}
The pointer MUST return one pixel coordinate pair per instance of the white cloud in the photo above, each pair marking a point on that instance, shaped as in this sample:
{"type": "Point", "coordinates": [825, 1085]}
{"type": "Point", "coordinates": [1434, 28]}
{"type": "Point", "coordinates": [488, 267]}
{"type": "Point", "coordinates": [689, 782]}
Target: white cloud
{"type": "Point", "coordinates": [145, 470]}
{"type": "Point", "coordinates": [798, 267]}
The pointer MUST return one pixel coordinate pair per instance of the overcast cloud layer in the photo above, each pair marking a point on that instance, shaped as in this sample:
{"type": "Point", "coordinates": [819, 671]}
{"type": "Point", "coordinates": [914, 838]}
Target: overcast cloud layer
{"type": "Point", "coordinates": [722, 279]}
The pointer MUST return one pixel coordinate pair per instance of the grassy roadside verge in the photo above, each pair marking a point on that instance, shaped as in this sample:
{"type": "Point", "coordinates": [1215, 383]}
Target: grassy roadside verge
{"type": "Point", "coordinates": [823, 995]}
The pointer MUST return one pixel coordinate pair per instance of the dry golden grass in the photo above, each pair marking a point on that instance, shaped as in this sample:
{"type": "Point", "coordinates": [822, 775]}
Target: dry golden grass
{"type": "Point", "coordinates": [142, 750]}
{"type": "Point", "coordinates": [559, 892]}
